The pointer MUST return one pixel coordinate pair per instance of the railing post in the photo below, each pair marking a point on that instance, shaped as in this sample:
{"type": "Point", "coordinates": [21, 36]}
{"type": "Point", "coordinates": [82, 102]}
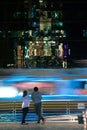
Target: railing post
{"type": "Point", "coordinates": [14, 111]}
{"type": "Point", "coordinates": [68, 108]}
{"type": "Point", "coordinates": [85, 119]}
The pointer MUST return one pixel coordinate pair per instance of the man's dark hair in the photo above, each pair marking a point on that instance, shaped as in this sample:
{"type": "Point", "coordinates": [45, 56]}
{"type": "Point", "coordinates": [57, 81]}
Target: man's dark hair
{"type": "Point", "coordinates": [35, 89]}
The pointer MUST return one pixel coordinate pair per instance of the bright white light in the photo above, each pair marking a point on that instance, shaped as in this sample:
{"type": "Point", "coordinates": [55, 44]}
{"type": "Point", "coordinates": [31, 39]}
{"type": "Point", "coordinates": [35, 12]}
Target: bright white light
{"type": "Point", "coordinates": [40, 1]}
{"type": "Point", "coordinates": [8, 91]}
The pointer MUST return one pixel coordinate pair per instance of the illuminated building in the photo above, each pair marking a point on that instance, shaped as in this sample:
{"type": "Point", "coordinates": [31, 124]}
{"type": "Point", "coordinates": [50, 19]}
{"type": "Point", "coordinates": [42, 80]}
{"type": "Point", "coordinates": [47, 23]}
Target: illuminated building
{"type": "Point", "coordinates": [33, 33]}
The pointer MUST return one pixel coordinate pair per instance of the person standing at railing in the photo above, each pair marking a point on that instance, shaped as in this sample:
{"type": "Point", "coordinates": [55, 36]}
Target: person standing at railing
{"type": "Point", "coordinates": [25, 106]}
{"type": "Point", "coordinates": [36, 98]}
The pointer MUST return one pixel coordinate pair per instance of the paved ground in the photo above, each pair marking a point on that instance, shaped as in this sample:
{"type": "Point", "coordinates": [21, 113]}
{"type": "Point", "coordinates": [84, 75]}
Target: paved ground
{"type": "Point", "coordinates": [46, 126]}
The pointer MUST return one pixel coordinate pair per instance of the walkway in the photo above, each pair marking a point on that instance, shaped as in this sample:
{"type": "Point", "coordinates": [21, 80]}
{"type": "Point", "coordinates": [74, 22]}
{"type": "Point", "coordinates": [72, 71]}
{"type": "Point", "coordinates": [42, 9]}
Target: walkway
{"type": "Point", "coordinates": [46, 126]}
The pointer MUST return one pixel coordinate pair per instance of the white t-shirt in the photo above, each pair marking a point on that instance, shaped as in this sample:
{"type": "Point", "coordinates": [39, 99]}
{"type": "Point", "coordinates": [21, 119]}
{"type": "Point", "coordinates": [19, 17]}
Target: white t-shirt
{"type": "Point", "coordinates": [25, 101]}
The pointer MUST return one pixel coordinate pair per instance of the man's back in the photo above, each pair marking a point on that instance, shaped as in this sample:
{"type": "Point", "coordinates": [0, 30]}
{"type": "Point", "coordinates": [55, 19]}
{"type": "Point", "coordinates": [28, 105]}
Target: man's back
{"type": "Point", "coordinates": [36, 97]}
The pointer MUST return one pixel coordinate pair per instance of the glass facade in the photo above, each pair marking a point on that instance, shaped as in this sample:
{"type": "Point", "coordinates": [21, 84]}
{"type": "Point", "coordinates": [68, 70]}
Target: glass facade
{"type": "Point", "coordinates": [39, 33]}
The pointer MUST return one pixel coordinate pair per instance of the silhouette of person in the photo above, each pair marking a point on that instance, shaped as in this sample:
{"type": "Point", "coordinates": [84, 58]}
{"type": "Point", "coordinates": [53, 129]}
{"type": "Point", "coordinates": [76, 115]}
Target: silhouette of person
{"type": "Point", "coordinates": [36, 98]}
{"type": "Point", "coordinates": [25, 106]}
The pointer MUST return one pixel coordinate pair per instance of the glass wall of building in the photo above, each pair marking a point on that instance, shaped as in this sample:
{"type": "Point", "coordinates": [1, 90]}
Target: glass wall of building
{"type": "Point", "coordinates": [36, 33]}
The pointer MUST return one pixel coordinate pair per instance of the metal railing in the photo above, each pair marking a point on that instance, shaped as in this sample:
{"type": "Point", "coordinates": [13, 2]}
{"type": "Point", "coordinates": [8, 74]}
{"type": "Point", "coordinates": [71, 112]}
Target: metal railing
{"type": "Point", "coordinates": [11, 111]}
